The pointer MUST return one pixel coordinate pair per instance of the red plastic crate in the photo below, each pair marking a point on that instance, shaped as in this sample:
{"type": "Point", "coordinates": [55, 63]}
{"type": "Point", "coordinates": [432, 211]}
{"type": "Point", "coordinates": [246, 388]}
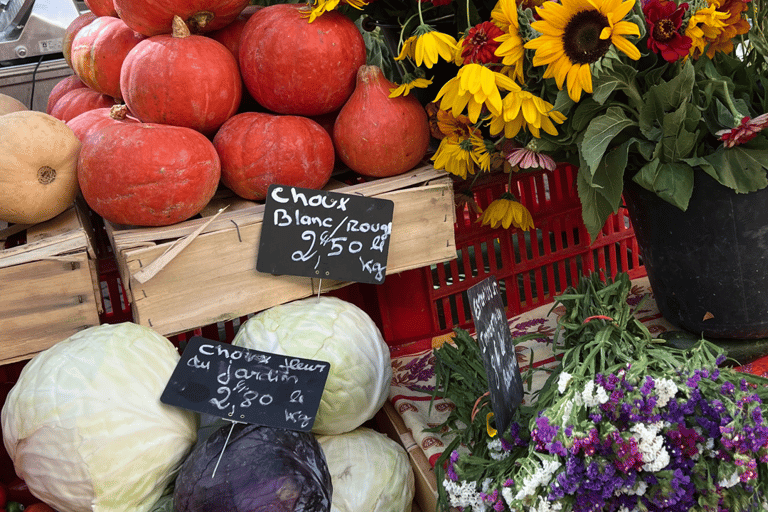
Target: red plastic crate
{"type": "Point", "coordinates": [531, 267]}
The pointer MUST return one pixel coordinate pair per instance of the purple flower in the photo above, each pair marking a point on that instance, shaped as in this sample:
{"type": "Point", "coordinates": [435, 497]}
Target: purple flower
{"type": "Point", "coordinates": [647, 386]}
{"type": "Point", "coordinates": [727, 388]}
{"type": "Point", "coordinates": [543, 433]}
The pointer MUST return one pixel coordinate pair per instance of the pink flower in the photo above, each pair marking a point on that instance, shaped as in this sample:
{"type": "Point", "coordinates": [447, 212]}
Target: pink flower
{"type": "Point", "coordinates": [528, 159]}
{"type": "Point", "coordinates": [746, 131]}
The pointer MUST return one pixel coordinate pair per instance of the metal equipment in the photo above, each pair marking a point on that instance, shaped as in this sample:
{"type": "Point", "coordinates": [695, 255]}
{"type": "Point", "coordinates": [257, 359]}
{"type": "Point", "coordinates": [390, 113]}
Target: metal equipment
{"type": "Point", "coordinates": [31, 36]}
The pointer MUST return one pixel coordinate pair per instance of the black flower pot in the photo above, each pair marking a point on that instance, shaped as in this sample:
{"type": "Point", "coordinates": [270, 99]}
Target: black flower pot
{"type": "Point", "coordinates": [707, 266]}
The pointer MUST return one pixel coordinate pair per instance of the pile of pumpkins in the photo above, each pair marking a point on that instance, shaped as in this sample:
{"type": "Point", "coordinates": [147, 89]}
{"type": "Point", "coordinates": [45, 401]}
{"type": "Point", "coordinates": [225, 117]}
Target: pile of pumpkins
{"type": "Point", "coordinates": [169, 102]}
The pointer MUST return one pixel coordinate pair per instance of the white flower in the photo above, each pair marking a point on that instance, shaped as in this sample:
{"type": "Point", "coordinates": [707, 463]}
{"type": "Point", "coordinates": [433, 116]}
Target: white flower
{"type": "Point", "coordinates": [464, 495]}
{"type": "Point", "coordinates": [562, 381]}
{"type": "Point", "coordinates": [730, 482]}
{"type": "Point", "coordinates": [543, 505]}
{"type": "Point", "coordinates": [567, 409]}
{"type": "Point", "coordinates": [593, 394]}
{"type": "Point", "coordinates": [665, 390]}
{"type": "Point", "coordinates": [506, 493]}
{"type": "Point", "coordinates": [542, 476]}
{"type": "Point", "coordinates": [496, 449]}
{"type": "Point", "coordinates": [651, 446]}
{"type": "Point", "coordinates": [636, 490]}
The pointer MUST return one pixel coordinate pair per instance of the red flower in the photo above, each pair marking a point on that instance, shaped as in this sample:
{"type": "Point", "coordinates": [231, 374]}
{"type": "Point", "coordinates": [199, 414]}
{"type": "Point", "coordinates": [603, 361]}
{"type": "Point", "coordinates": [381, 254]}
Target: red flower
{"type": "Point", "coordinates": [479, 45]}
{"type": "Point", "coordinates": [746, 131]}
{"type": "Point", "coordinates": [664, 19]}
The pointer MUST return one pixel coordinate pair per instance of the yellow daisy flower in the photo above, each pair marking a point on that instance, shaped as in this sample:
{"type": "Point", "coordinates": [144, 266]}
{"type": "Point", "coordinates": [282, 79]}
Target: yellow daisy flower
{"type": "Point", "coordinates": [576, 33]}
{"type": "Point", "coordinates": [506, 211]}
{"type": "Point", "coordinates": [473, 87]}
{"type": "Point", "coordinates": [705, 25]}
{"type": "Point", "coordinates": [408, 49]}
{"type": "Point", "coordinates": [491, 431]}
{"type": "Point", "coordinates": [511, 50]}
{"type": "Point", "coordinates": [525, 110]}
{"type": "Point", "coordinates": [405, 88]}
{"type": "Point", "coordinates": [320, 7]}
{"type": "Point", "coordinates": [480, 153]}
{"type": "Point", "coordinates": [454, 154]}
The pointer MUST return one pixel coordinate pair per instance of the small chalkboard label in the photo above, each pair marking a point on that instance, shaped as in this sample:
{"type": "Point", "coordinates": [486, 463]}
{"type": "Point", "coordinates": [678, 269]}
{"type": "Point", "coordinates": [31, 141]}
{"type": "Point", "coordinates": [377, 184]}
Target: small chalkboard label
{"type": "Point", "coordinates": [327, 235]}
{"type": "Point", "coordinates": [245, 385]}
{"type": "Point", "coordinates": [498, 349]}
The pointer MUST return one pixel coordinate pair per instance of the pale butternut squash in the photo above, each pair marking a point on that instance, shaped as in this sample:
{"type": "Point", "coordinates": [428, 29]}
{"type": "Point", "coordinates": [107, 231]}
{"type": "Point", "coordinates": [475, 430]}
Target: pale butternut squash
{"type": "Point", "coordinates": [38, 167]}
{"type": "Point", "coordinates": [10, 104]}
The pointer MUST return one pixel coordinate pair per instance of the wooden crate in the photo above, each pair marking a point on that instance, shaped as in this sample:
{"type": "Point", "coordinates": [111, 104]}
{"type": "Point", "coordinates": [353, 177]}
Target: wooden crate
{"type": "Point", "coordinates": [47, 285]}
{"type": "Point", "coordinates": [214, 277]}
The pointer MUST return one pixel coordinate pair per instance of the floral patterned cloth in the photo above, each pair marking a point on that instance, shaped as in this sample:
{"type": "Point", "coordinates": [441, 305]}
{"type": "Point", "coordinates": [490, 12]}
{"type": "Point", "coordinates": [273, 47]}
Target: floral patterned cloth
{"type": "Point", "coordinates": [413, 373]}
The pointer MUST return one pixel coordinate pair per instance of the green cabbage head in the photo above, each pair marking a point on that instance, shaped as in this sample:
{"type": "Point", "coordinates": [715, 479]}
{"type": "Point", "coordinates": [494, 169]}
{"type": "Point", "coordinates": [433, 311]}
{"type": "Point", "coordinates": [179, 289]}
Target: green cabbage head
{"type": "Point", "coordinates": [84, 424]}
{"type": "Point", "coordinates": [338, 332]}
{"type": "Point", "coordinates": [369, 472]}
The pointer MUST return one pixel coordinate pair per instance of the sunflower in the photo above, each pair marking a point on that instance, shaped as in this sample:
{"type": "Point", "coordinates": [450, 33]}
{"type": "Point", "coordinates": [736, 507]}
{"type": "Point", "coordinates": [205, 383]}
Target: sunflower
{"type": "Point", "coordinates": [576, 33]}
{"type": "Point", "coordinates": [506, 211]}
{"type": "Point", "coordinates": [473, 87]}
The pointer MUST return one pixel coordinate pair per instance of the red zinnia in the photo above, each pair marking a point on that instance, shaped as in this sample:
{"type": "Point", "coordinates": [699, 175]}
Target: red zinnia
{"type": "Point", "coordinates": [664, 20]}
{"type": "Point", "coordinates": [479, 45]}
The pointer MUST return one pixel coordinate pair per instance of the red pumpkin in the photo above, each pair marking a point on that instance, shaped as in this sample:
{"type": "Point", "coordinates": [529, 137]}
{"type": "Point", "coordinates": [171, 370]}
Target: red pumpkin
{"type": "Point", "coordinates": [71, 31]}
{"type": "Point", "coordinates": [259, 149]}
{"type": "Point", "coordinates": [291, 66]}
{"type": "Point", "coordinates": [379, 136]}
{"type": "Point", "coordinates": [150, 17]}
{"type": "Point", "coordinates": [98, 51]}
{"type": "Point", "coordinates": [62, 87]}
{"type": "Point", "coordinates": [97, 118]}
{"type": "Point", "coordinates": [182, 80]}
{"type": "Point", "coordinates": [101, 7]}
{"type": "Point", "coordinates": [230, 35]}
{"type": "Point", "coordinates": [77, 101]}
{"type": "Point", "coordinates": [147, 174]}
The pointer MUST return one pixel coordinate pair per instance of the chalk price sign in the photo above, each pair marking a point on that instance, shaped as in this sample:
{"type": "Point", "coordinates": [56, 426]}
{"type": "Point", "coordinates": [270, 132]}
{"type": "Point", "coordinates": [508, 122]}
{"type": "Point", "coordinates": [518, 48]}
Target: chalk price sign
{"type": "Point", "coordinates": [498, 350]}
{"type": "Point", "coordinates": [246, 385]}
{"type": "Point", "coordinates": [326, 235]}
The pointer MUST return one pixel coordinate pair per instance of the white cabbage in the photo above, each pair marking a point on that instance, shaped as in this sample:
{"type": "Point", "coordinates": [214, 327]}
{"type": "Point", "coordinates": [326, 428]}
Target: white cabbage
{"type": "Point", "coordinates": [338, 332]}
{"type": "Point", "coordinates": [369, 472]}
{"type": "Point", "coordinates": [84, 424]}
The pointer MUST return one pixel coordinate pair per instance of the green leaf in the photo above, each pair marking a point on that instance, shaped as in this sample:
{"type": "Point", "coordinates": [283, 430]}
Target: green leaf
{"type": "Point", "coordinates": [662, 98]}
{"type": "Point", "coordinates": [743, 170]}
{"type": "Point", "coordinates": [599, 134]}
{"type": "Point", "coordinates": [595, 207]}
{"type": "Point", "coordinates": [672, 182]}
{"type": "Point", "coordinates": [620, 77]}
{"type": "Point", "coordinates": [678, 142]}
{"type": "Point", "coordinates": [585, 112]}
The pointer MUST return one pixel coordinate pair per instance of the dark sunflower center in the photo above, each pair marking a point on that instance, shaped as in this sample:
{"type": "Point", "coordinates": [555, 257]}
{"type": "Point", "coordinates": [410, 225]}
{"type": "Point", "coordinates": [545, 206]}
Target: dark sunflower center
{"type": "Point", "coordinates": [581, 37]}
{"type": "Point", "coordinates": [664, 30]}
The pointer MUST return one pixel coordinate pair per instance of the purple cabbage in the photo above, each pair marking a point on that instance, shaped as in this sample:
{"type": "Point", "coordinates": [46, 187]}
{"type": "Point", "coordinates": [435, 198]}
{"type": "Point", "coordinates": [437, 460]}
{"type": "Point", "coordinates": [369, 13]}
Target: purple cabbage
{"type": "Point", "coordinates": [263, 469]}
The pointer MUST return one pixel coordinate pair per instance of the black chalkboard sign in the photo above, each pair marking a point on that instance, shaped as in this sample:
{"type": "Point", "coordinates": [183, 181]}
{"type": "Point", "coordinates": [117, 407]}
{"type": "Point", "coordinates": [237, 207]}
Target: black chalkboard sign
{"type": "Point", "coordinates": [498, 349]}
{"type": "Point", "coordinates": [246, 385]}
{"type": "Point", "coordinates": [327, 235]}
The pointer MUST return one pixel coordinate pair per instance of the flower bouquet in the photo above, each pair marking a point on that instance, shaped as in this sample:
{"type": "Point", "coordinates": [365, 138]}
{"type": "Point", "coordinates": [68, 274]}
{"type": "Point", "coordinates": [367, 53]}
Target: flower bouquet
{"type": "Point", "coordinates": [623, 423]}
{"type": "Point", "coordinates": [648, 90]}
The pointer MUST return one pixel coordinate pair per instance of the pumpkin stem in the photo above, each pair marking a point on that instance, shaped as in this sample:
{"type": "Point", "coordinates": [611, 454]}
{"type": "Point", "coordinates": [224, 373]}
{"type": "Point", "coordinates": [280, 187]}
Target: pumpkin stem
{"type": "Point", "coordinates": [46, 175]}
{"type": "Point", "coordinates": [180, 29]}
{"type": "Point", "coordinates": [198, 21]}
{"type": "Point", "coordinates": [118, 112]}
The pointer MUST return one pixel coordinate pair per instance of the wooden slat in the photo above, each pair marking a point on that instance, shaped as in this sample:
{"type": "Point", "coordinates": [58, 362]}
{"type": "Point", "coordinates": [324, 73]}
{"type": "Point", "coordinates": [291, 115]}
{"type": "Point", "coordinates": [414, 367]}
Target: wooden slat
{"type": "Point", "coordinates": [57, 237]}
{"type": "Point", "coordinates": [42, 303]}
